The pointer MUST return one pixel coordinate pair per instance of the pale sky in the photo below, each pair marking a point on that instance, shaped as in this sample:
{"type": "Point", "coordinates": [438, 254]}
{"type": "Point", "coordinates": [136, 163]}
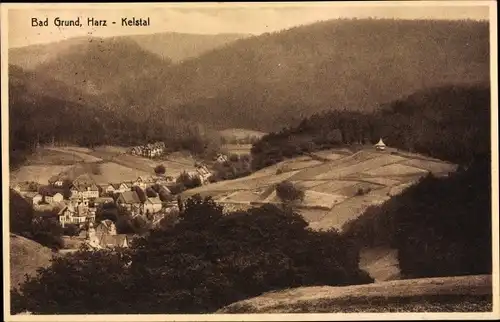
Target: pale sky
{"type": "Point", "coordinates": [250, 18]}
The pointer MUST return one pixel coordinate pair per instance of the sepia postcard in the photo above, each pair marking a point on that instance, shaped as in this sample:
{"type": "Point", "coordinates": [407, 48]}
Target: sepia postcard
{"type": "Point", "coordinates": [250, 161]}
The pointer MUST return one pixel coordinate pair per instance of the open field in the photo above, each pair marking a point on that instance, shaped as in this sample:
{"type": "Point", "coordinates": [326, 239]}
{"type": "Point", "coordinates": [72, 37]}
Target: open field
{"type": "Point", "coordinates": [431, 166]}
{"type": "Point", "coordinates": [332, 188]}
{"type": "Point", "coordinates": [238, 134]}
{"type": "Point", "coordinates": [312, 199]}
{"type": "Point", "coordinates": [37, 173]}
{"type": "Point", "coordinates": [84, 156]}
{"type": "Point", "coordinates": [53, 157]}
{"type": "Point", "coordinates": [111, 172]}
{"type": "Point", "coordinates": [112, 162]}
{"type": "Point", "coordinates": [441, 294]}
{"type": "Point", "coordinates": [237, 148]}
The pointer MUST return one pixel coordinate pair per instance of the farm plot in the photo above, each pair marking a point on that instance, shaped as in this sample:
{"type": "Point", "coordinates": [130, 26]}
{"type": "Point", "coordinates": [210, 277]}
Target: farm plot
{"type": "Point", "coordinates": [113, 172]}
{"type": "Point", "coordinates": [246, 183]}
{"type": "Point", "coordinates": [315, 172]}
{"type": "Point", "coordinates": [348, 210]}
{"type": "Point", "coordinates": [299, 164]}
{"type": "Point", "coordinates": [37, 173]}
{"type": "Point", "coordinates": [312, 199]}
{"type": "Point", "coordinates": [237, 148]}
{"type": "Point", "coordinates": [431, 166]}
{"type": "Point", "coordinates": [333, 185]}
{"type": "Point", "coordinates": [363, 166]}
{"type": "Point", "coordinates": [312, 215]}
{"type": "Point", "coordinates": [243, 196]}
{"type": "Point", "coordinates": [394, 170]}
{"type": "Point", "coordinates": [84, 156]}
{"type": "Point", "coordinates": [308, 184]}
{"type": "Point", "coordinates": [351, 191]}
{"type": "Point", "coordinates": [329, 154]}
{"type": "Point", "coordinates": [380, 180]}
{"type": "Point", "coordinates": [76, 149]}
{"type": "Point", "coordinates": [111, 149]}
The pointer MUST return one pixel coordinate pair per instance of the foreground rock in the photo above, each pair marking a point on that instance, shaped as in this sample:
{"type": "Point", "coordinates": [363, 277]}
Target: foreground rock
{"type": "Point", "coordinates": [442, 294]}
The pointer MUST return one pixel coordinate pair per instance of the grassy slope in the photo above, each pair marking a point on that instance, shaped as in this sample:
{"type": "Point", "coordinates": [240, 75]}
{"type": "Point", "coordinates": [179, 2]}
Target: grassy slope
{"type": "Point", "coordinates": [339, 179]}
{"type": "Point", "coordinates": [26, 256]}
{"type": "Point", "coordinates": [459, 294]}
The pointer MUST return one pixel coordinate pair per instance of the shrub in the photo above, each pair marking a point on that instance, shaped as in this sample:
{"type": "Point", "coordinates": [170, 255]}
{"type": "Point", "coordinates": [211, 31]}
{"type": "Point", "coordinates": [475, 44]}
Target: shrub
{"type": "Point", "coordinates": [440, 226]}
{"type": "Point", "coordinates": [289, 193]}
{"type": "Point", "coordinates": [160, 169]}
{"type": "Point", "coordinates": [71, 230]}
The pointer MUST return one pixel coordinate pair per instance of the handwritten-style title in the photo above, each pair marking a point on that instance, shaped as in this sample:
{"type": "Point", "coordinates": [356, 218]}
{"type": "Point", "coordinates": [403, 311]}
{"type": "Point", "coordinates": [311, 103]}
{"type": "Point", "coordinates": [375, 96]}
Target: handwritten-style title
{"type": "Point", "coordinates": [90, 22]}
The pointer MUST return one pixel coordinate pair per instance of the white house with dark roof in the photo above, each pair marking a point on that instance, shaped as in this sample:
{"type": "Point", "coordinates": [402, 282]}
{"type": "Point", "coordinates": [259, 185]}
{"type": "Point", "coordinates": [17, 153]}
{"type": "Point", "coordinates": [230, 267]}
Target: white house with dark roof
{"type": "Point", "coordinates": [105, 236]}
{"type": "Point", "coordinates": [75, 215]}
{"type": "Point", "coordinates": [153, 205]}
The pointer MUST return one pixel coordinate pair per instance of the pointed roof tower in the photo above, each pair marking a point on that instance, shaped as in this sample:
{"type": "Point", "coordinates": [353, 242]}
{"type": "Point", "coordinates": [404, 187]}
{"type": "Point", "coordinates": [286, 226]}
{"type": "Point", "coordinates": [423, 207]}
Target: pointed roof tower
{"type": "Point", "coordinates": [380, 145]}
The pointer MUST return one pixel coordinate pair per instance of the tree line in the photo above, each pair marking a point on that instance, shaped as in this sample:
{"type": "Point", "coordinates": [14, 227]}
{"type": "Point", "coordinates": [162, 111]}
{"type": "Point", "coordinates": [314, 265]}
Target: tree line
{"type": "Point", "coordinates": [204, 261]}
{"type": "Point", "coordinates": [450, 123]}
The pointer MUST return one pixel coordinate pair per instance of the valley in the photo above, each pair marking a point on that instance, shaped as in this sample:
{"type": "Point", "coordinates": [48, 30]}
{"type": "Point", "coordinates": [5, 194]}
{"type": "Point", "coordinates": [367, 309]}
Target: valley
{"type": "Point", "coordinates": [240, 173]}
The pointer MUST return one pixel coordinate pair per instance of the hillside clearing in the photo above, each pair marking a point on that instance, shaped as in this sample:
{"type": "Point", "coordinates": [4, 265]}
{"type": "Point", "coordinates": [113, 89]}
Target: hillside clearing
{"type": "Point", "coordinates": [84, 156]}
{"type": "Point", "coordinates": [26, 256]}
{"type": "Point", "coordinates": [51, 157]}
{"type": "Point", "coordinates": [37, 173]}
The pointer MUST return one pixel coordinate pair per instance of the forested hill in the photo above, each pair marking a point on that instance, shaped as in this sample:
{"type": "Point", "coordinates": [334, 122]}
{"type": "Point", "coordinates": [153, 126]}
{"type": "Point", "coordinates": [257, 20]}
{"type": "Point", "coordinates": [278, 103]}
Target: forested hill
{"type": "Point", "coordinates": [114, 91]}
{"type": "Point", "coordinates": [273, 80]}
{"type": "Point", "coordinates": [450, 123]}
{"type": "Point", "coordinates": [171, 46]}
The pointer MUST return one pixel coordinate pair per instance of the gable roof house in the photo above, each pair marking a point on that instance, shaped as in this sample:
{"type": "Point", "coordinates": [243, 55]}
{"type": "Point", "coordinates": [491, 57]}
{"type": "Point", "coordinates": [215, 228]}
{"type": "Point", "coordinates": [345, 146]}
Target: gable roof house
{"type": "Point", "coordinates": [203, 172]}
{"type": "Point", "coordinates": [84, 188]}
{"type": "Point", "coordinates": [221, 158]}
{"type": "Point", "coordinates": [129, 200]}
{"type": "Point", "coordinates": [75, 215]}
{"type": "Point", "coordinates": [105, 236]}
{"type": "Point", "coordinates": [34, 197]}
{"type": "Point", "coordinates": [153, 205]}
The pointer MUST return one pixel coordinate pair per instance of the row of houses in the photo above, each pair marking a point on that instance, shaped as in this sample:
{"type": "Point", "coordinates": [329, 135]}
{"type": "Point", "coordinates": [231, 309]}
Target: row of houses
{"type": "Point", "coordinates": [150, 150]}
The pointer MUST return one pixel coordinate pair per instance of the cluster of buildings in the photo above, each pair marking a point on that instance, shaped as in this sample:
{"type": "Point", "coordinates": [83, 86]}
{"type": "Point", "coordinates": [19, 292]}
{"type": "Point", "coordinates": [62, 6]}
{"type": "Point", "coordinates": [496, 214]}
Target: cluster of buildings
{"type": "Point", "coordinates": [77, 200]}
{"type": "Point", "coordinates": [150, 150]}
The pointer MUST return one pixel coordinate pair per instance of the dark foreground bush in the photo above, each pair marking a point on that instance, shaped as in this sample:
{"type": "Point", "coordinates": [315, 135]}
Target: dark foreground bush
{"type": "Point", "coordinates": [199, 265]}
{"type": "Point", "coordinates": [441, 226]}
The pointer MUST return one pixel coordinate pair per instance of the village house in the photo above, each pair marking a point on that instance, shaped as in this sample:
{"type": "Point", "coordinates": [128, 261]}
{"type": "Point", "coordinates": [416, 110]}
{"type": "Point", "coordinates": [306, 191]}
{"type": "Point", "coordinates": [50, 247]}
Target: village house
{"type": "Point", "coordinates": [221, 158]}
{"type": "Point", "coordinates": [193, 174]}
{"type": "Point", "coordinates": [103, 201]}
{"type": "Point", "coordinates": [78, 215]}
{"type": "Point", "coordinates": [53, 197]}
{"type": "Point", "coordinates": [143, 182]}
{"type": "Point", "coordinates": [33, 197]}
{"type": "Point", "coordinates": [153, 205]}
{"type": "Point", "coordinates": [129, 200]}
{"type": "Point", "coordinates": [203, 173]}
{"type": "Point", "coordinates": [150, 150]}
{"type": "Point", "coordinates": [105, 236]}
{"type": "Point", "coordinates": [77, 200]}
{"type": "Point", "coordinates": [171, 206]}
{"type": "Point", "coordinates": [84, 189]}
